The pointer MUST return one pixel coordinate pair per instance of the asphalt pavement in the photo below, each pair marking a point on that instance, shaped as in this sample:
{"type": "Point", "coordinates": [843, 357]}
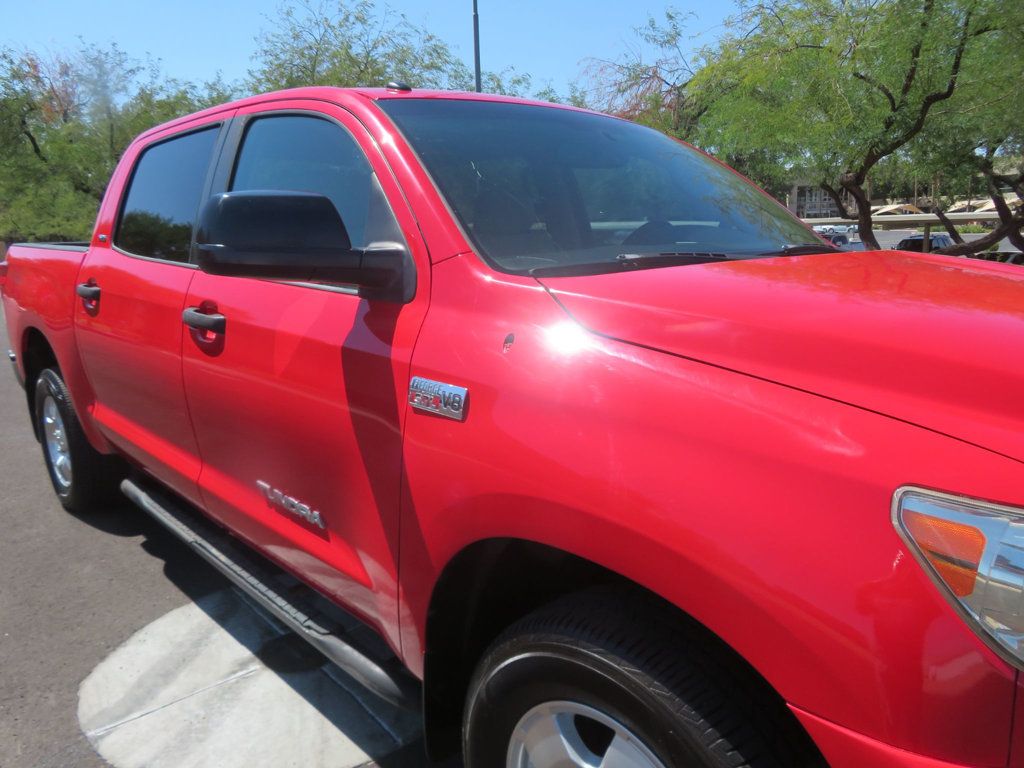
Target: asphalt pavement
{"type": "Point", "coordinates": [119, 646]}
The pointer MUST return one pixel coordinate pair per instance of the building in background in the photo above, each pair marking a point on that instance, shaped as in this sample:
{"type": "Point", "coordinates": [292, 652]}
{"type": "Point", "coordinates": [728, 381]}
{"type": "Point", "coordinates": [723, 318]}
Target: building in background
{"type": "Point", "coordinates": [809, 201]}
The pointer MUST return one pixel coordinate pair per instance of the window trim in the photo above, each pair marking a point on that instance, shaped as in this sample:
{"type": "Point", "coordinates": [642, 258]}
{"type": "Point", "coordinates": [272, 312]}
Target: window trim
{"type": "Point", "coordinates": [246, 122]}
{"type": "Point", "coordinates": [249, 120]}
{"type": "Point", "coordinates": [222, 175]}
{"type": "Point", "coordinates": [218, 142]}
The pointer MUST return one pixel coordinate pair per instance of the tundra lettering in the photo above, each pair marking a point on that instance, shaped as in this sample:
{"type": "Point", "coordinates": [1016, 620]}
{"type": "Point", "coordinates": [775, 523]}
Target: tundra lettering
{"type": "Point", "coordinates": [289, 504]}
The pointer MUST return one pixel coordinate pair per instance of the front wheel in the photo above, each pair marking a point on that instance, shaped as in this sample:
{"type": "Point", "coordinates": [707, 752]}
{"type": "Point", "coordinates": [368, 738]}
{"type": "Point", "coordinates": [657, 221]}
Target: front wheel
{"type": "Point", "coordinates": [607, 680]}
{"type": "Point", "coordinates": [565, 733]}
{"type": "Point", "coordinates": [82, 477]}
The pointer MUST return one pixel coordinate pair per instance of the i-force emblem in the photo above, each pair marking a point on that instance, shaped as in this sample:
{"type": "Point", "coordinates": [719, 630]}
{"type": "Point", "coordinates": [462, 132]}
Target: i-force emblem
{"type": "Point", "coordinates": [438, 397]}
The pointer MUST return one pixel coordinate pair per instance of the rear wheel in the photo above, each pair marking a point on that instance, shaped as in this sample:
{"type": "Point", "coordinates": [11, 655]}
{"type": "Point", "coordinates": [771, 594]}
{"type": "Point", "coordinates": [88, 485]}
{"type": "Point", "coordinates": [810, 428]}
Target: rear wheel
{"type": "Point", "coordinates": [82, 477]}
{"type": "Point", "coordinates": [607, 680]}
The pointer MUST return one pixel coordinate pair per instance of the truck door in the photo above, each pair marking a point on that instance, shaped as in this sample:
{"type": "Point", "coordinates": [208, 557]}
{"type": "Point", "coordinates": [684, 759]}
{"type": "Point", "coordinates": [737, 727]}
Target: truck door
{"type": "Point", "coordinates": [132, 286]}
{"type": "Point", "coordinates": [299, 404]}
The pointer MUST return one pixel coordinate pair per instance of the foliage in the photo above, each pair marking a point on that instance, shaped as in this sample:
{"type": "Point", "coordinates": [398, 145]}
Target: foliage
{"type": "Point", "coordinates": [979, 135]}
{"type": "Point", "coordinates": [971, 229]}
{"type": "Point", "coordinates": [350, 44]}
{"type": "Point", "coordinates": [353, 44]}
{"type": "Point", "coordinates": [841, 92]}
{"type": "Point", "coordinates": [64, 122]}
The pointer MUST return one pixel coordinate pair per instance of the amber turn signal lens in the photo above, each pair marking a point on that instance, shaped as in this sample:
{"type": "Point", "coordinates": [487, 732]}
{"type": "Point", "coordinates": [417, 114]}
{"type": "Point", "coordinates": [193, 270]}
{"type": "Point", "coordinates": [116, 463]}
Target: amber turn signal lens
{"type": "Point", "coordinates": [974, 552]}
{"type": "Point", "coordinates": [954, 549]}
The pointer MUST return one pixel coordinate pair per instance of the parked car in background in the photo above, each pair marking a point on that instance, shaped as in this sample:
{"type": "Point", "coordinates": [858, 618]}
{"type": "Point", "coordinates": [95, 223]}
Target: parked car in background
{"type": "Point", "coordinates": [830, 229]}
{"type": "Point", "coordinates": [616, 461]}
{"type": "Point", "coordinates": [916, 242]}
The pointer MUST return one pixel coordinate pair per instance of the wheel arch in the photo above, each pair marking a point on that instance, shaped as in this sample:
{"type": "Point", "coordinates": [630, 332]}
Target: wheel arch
{"type": "Point", "coordinates": [492, 583]}
{"type": "Point", "coordinates": [36, 354]}
{"type": "Point", "coordinates": [37, 351]}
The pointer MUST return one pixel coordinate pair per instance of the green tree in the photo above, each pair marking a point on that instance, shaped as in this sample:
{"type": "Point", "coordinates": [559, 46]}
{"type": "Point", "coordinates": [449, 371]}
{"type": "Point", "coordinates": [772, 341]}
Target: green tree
{"type": "Point", "coordinates": [351, 44]}
{"type": "Point", "coordinates": [675, 91]}
{"type": "Point", "coordinates": [977, 140]}
{"type": "Point", "coordinates": [851, 82]}
{"type": "Point", "coordinates": [672, 92]}
{"type": "Point", "coordinates": [64, 122]}
{"type": "Point", "coordinates": [39, 104]}
{"type": "Point", "coordinates": [832, 90]}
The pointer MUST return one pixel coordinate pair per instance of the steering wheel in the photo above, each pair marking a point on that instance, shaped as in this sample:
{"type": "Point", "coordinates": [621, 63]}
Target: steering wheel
{"type": "Point", "coordinates": [654, 232]}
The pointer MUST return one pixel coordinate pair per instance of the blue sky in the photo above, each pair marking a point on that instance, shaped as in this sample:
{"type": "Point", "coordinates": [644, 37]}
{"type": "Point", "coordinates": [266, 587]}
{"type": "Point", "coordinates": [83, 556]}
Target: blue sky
{"type": "Point", "coordinates": [194, 39]}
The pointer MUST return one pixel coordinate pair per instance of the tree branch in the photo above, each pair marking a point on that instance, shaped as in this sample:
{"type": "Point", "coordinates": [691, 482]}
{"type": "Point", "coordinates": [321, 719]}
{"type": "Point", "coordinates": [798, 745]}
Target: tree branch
{"type": "Point", "coordinates": [950, 227]}
{"type": "Point", "coordinates": [876, 153]}
{"type": "Point", "coordinates": [1016, 183]}
{"type": "Point", "coordinates": [1009, 223]}
{"type": "Point", "coordinates": [915, 52]}
{"type": "Point", "coordinates": [32, 140]}
{"type": "Point", "coordinates": [1005, 214]}
{"type": "Point", "coordinates": [880, 86]}
{"type": "Point", "coordinates": [982, 243]}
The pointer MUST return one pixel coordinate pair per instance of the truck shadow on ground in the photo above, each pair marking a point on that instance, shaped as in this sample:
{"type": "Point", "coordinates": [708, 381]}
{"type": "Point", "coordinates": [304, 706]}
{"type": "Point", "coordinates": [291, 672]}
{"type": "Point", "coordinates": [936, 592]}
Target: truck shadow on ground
{"type": "Point", "coordinates": [309, 688]}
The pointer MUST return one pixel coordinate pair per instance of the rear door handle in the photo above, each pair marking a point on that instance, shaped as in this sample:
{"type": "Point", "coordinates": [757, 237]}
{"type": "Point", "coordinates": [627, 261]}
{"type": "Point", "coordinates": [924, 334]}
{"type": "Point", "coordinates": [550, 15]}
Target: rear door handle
{"type": "Point", "coordinates": [194, 318]}
{"type": "Point", "coordinates": [88, 291]}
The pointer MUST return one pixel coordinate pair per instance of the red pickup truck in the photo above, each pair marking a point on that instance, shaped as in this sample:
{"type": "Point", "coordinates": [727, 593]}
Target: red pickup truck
{"type": "Point", "coordinates": [622, 464]}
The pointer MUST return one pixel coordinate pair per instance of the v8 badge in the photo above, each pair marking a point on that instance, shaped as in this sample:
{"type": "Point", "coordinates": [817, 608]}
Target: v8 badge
{"type": "Point", "coordinates": [438, 397]}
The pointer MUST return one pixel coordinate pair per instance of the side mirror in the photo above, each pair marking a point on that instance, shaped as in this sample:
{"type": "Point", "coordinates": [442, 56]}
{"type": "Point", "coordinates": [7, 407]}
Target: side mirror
{"type": "Point", "coordinates": [291, 236]}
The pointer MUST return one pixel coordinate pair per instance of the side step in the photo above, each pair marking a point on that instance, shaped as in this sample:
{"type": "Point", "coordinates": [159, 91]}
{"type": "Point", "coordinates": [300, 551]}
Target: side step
{"type": "Point", "coordinates": [256, 576]}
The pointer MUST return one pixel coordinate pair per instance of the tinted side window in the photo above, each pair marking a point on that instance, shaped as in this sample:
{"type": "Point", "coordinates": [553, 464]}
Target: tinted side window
{"type": "Point", "coordinates": [163, 197]}
{"type": "Point", "coordinates": [308, 154]}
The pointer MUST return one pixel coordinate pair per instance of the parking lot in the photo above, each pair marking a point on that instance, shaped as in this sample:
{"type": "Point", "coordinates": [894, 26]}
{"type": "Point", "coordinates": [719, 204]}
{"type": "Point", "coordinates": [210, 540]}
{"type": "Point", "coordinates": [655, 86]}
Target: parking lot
{"type": "Point", "coordinates": [888, 238]}
{"type": "Point", "coordinates": [120, 647]}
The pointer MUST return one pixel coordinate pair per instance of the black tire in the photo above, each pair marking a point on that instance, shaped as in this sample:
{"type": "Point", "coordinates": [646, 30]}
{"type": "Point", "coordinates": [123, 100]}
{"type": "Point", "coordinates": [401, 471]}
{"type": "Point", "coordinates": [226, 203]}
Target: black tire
{"type": "Point", "coordinates": [670, 684]}
{"type": "Point", "coordinates": [93, 478]}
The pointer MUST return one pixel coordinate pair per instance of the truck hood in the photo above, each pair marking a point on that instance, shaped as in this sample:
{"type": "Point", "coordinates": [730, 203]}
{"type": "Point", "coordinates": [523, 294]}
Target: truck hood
{"type": "Point", "coordinates": [932, 340]}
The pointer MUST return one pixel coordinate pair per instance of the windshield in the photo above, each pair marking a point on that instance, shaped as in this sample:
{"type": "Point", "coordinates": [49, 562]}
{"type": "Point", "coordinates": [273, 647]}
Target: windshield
{"type": "Point", "coordinates": [539, 188]}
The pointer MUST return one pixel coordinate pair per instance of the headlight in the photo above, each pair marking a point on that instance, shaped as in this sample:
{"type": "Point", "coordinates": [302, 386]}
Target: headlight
{"type": "Point", "coordinates": [975, 552]}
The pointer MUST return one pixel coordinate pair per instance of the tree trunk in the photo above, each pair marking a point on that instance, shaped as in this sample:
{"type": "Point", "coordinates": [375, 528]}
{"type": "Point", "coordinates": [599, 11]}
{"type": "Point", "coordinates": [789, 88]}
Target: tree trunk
{"type": "Point", "coordinates": [1005, 214]}
{"type": "Point", "coordinates": [864, 225]}
{"type": "Point", "coordinates": [953, 233]}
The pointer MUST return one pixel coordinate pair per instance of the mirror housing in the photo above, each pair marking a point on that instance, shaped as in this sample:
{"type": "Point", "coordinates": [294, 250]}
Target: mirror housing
{"type": "Point", "coordinates": [294, 236]}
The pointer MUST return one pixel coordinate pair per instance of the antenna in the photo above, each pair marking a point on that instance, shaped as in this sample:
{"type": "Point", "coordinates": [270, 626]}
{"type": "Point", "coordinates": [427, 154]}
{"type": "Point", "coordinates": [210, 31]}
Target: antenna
{"type": "Point", "coordinates": [476, 46]}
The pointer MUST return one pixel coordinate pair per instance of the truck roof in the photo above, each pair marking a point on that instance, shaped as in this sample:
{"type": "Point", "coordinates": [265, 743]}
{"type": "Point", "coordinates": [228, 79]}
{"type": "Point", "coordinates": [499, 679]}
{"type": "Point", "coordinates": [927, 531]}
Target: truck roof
{"type": "Point", "coordinates": [340, 95]}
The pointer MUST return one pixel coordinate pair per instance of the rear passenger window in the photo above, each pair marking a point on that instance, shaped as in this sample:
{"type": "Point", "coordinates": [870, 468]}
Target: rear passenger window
{"type": "Point", "coordinates": [163, 197]}
{"type": "Point", "coordinates": [309, 154]}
